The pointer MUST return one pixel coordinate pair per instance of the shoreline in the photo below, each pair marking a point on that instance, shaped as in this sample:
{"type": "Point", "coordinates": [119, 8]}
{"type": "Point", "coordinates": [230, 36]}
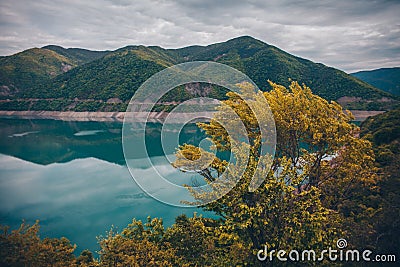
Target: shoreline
{"type": "Point", "coordinates": [103, 116]}
{"type": "Point", "coordinates": [64, 115]}
{"type": "Point", "coordinates": [360, 115]}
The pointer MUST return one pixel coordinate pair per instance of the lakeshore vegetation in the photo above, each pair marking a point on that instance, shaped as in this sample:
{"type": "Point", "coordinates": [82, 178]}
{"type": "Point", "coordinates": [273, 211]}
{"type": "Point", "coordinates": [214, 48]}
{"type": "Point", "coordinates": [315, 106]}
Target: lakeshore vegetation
{"type": "Point", "coordinates": [305, 202]}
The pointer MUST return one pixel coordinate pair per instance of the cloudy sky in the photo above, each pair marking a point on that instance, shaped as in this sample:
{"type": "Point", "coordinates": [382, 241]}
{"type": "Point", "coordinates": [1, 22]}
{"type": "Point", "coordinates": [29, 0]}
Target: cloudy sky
{"type": "Point", "coordinates": [347, 34]}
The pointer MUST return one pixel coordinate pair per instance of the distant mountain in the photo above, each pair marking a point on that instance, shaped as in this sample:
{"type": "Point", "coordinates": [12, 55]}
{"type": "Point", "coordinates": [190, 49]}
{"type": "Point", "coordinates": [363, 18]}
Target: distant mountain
{"type": "Point", "coordinates": [387, 79]}
{"type": "Point", "coordinates": [77, 55]}
{"type": "Point", "coordinates": [107, 80]}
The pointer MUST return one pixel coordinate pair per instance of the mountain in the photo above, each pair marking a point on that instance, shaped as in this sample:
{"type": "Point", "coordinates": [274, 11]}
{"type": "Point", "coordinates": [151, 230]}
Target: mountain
{"type": "Point", "coordinates": [77, 55]}
{"type": "Point", "coordinates": [263, 62]}
{"type": "Point", "coordinates": [107, 80]}
{"type": "Point", "coordinates": [387, 79]}
{"type": "Point", "coordinates": [25, 70]}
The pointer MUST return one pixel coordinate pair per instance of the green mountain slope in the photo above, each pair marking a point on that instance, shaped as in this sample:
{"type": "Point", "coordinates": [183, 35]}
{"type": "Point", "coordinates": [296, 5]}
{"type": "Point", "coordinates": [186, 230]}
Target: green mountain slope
{"type": "Point", "coordinates": [263, 62]}
{"type": "Point", "coordinates": [384, 132]}
{"type": "Point", "coordinates": [34, 67]}
{"type": "Point", "coordinates": [77, 55]}
{"type": "Point", "coordinates": [115, 76]}
{"type": "Point", "coordinates": [26, 69]}
{"type": "Point", "coordinates": [384, 129]}
{"type": "Point", "coordinates": [387, 79]}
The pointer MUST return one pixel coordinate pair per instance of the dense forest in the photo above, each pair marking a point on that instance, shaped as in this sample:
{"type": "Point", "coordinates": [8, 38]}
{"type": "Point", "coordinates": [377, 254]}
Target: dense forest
{"type": "Point", "coordinates": [387, 79]}
{"type": "Point", "coordinates": [83, 80]}
{"type": "Point", "coordinates": [329, 180]}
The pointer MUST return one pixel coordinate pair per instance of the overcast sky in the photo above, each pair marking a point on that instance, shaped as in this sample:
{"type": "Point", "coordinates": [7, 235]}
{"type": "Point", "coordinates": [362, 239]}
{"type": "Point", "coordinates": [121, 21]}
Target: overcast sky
{"type": "Point", "coordinates": [347, 34]}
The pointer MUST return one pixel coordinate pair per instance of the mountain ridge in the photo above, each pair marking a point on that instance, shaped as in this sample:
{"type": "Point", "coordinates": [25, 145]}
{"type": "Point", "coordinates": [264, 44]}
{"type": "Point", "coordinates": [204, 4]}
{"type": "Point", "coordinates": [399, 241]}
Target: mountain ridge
{"type": "Point", "coordinates": [78, 55]}
{"type": "Point", "coordinates": [386, 79]}
{"type": "Point", "coordinates": [95, 77]}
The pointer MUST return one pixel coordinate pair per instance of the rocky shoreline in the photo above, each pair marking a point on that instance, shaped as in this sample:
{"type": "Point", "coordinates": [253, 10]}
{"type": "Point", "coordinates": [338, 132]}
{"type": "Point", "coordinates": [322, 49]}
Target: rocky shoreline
{"type": "Point", "coordinates": [101, 116]}
{"type": "Point", "coordinates": [64, 115]}
{"type": "Point", "coordinates": [360, 115]}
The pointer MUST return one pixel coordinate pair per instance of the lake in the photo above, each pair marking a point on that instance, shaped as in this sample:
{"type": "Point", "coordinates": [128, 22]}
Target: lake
{"type": "Point", "coordinates": [72, 177]}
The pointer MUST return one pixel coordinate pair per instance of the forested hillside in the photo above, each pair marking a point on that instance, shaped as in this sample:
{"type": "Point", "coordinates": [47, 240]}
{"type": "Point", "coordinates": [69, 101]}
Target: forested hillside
{"type": "Point", "coordinates": [384, 132]}
{"type": "Point", "coordinates": [309, 205]}
{"type": "Point", "coordinates": [387, 79]}
{"type": "Point", "coordinates": [77, 79]}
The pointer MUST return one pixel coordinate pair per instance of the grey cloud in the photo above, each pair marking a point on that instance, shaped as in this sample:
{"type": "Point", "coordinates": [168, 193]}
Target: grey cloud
{"type": "Point", "coordinates": [349, 35]}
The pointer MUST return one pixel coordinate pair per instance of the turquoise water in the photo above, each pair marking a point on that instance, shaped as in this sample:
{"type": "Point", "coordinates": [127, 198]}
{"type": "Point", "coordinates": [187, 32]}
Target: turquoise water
{"type": "Point", "coordinates": [73, 178]}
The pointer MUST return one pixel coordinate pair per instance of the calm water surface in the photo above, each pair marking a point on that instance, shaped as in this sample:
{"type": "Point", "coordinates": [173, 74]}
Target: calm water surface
{"type": "Point", "coordinates": [73, 178]}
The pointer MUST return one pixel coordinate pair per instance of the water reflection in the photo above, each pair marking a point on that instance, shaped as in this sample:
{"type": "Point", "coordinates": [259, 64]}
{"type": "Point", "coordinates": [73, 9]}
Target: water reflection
{"type": "Point", "coordinates": [72, 177]}
{"type": "Point", "coordinates": [50, 141]}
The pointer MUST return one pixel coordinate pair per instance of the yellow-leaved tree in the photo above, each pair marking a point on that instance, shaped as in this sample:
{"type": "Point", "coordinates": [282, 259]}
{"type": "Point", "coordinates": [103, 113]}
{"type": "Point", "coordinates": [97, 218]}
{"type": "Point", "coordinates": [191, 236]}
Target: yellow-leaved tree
{"type": "Point", "coordinates": [23, 247]}
{"type": "Point", "coordinates": [315, 190]}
